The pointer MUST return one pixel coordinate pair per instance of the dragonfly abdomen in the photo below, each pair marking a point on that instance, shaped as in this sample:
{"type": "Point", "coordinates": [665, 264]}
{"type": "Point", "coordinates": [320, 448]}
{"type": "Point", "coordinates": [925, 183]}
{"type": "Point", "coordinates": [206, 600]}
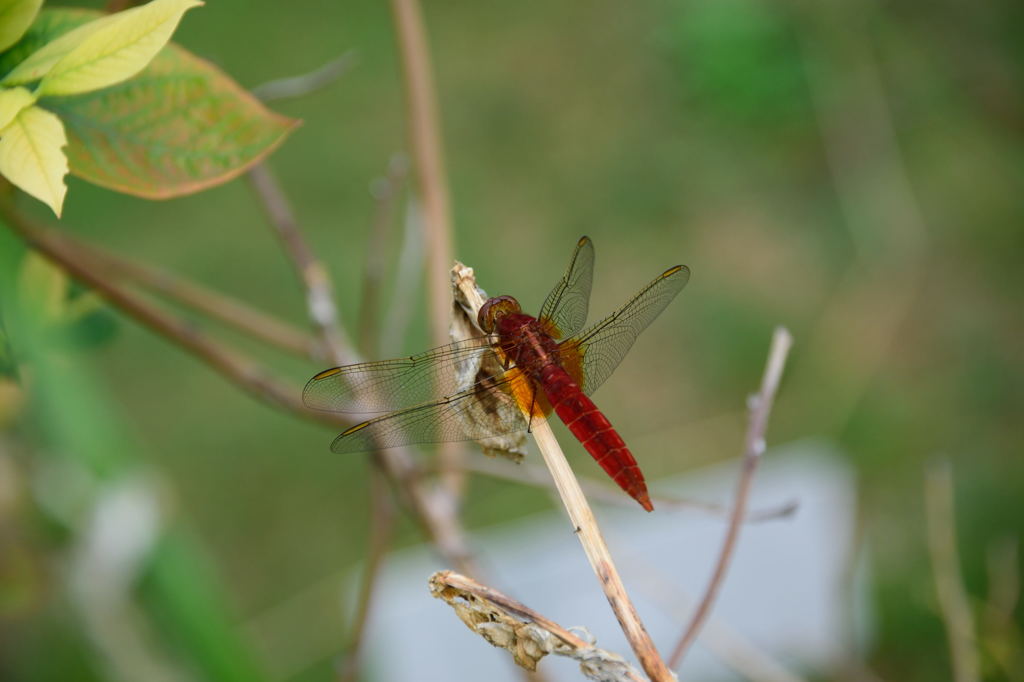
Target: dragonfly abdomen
{"type": "Point", "coordinates": [594, 432]}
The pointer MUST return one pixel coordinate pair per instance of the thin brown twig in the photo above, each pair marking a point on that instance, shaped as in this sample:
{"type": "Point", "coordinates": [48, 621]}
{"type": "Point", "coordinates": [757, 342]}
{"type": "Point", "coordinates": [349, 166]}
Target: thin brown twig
{"type": "Point", "coordinates": [428, 157]}
{"type": "Point", "coordinates": [755, 446]}
{"type": "Point", "coordinates": [312, 273]}
{"type": "Point", "coordinates": [538, 476]}
{"type": "Point", "coordinates": [226, 309]}
{"type": "Point", "coordinates": [424, 133]}
{"type": "Point", "coordinates": [953, 601]}
{"type": "Point", "coordinates": [660, 585]}
{"type": "Point", "coordinates": [234, 366]}
{"type": "Point", "coordinates": [434, 516]}
{"type": "Point", "coordinates": [306, 83]}
{"type": "Point", "coordinates": [382, 526]}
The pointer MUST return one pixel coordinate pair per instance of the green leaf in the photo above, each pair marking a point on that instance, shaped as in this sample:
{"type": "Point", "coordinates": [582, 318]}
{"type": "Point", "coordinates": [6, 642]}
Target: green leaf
{"type": "Point", "coordinates": [119, 49]}
{"type": "Point", "coordinates": [48, 49]}
{"type": "Point", "coordinates": [15, 18]}
{"type": "Point", "coordinates": [31, 156]}
{"type": "Point", "coordinates": [180, 126]}
{"type": "Point", "coordinates": [12, 101]}
{"type": "Point", "coordinates": [48, 26]}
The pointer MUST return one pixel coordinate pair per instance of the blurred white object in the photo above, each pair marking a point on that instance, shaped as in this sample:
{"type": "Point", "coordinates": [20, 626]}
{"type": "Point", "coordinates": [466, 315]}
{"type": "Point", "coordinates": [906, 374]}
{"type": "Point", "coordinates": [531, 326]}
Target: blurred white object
{"type": "Point", "coordinates": [783, 598]}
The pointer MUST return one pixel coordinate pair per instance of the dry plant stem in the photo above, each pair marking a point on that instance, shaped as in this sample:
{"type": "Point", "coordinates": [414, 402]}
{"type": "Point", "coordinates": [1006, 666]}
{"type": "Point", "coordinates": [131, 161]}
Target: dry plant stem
{"type": "Point", "coordinates": [537, 476]}
{"type": "Point", "coordinates": [444, 581]}
{"type": "Point", "coordinates": [433, 513]}
{"type": "Point", "coordinates": [953, 601]}
{"type": "Point", "coordinates": [226, 309]}
{"type": "Point", "coordinates": [234, 366]}
{"type": "Point", "coordinates": [597, 553]}
{"type": "Point", "coordinates": [435, 516]}
{"type": "Point", "coordinates": [382, 526]}
{"type": "Point", "coordinates": [306, 83]}
{"type": "Point", "coordinates": [461, 582]}
{"type": "Point", "coordinates": [660, 584]}
{"type": "Point", "coordinates": [424, 133]}
{"type": "Point", "coordinates": [427, 156]}
{"type": "Point", "coordinates": [311, 271]}
{"type": "Point", "coordinates": [755, 446]}
{"type": "Point", "coordinates": [439, 525]}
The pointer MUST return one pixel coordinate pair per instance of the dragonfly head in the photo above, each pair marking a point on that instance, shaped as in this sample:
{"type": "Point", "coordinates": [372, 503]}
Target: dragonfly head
{"type": "Point", "coordinates": [495, 309]}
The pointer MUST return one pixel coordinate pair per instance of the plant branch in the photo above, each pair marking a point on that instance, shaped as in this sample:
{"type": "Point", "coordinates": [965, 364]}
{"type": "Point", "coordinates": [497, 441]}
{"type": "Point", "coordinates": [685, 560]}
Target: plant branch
{"type": "Point", "coordinates": [956, 611]}
{"type": "Point", "coordinates": [306, 83]}
{"type": "Point", "coordinates": [589, 534]}
{"type": "Point", "coordinates": [434, 516]}
{"type": "Point", "coordinates": [761, 407]}
{"type": "Point", "coordinates": [538, 477]}
{"type": "Point", "coordinates": [226, 309]}
{"type": "Point", "coordinates": [234, 366]}
{"type": "Point", "coordinates": [659, 584]}
{"type": "Point", "coordinates": [312, 273]}
{"type": "Point", "coordinates": [584, 523]}
{"type": "Point", "coordinates": [424, 133]}
{"type": "Point", "coordinates": [528, 635]}
{"type": "Point", "coordinates": [428, 157]}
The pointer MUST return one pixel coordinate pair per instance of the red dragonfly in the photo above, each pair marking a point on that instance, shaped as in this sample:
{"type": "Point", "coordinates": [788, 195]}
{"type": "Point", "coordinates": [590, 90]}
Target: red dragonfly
{"type": "Point", "coordinates": [548, 362]}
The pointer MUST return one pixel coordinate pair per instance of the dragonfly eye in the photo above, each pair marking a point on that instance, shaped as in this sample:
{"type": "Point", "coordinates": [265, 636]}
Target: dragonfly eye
{"type": "Point", "coordinates": [495, 309]}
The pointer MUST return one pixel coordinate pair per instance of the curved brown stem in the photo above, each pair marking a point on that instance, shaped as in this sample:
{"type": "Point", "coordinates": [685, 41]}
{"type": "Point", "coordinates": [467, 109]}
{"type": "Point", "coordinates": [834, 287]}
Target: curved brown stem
{"type": "Point", "coordinates": [755, 446]}
{"type": "Point", "coordinates": [230, 311]}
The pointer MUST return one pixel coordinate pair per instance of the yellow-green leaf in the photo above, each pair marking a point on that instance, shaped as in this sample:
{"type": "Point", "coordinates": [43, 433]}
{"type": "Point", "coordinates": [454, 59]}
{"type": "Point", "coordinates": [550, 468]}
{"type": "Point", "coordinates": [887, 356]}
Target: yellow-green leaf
{"type": "Point", "coordinates": [118, 50]}
{"type": "Point", "coordinates": [15, 18]}
{"type": "Point", "coordinates": [37, 64]}
{"type": "Point", "coordinates": [12, 101]}
{"type": "Point", "coordinates": [32, 158]}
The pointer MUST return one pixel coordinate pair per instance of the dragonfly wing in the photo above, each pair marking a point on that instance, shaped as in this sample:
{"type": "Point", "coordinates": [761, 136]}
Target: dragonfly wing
{"type": "Point", "coordinates": [388, 385]}
{"type": "Point", "coordinates": [600, 349]}
{"type": "Point", "coordinates": [566, 306]}
{"type": "Point", "coordinates": [480, 413]}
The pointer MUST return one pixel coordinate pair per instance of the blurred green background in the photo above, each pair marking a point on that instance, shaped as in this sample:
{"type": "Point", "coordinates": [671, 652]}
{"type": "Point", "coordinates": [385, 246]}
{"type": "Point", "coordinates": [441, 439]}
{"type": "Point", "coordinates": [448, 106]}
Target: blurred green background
{"type": "Point", "coordinates": [850, 170]}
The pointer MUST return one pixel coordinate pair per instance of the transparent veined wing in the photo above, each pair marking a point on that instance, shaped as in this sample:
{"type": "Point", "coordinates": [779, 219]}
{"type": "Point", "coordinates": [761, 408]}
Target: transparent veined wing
{"type": "Point", "coordinates": [487, 409]}
{"type": "Point", "coordinates": [600, 349]}
{"type": "Point", "coordinates": [565, 308]}
{"type": "Point", "coordinates": [386, 385]}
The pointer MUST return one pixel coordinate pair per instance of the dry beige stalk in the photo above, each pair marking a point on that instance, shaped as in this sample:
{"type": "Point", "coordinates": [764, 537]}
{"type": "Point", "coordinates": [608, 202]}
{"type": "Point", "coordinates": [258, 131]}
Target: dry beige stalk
{"type": "Point", "coordinates": [471, 297]}
{"type": "Point", "coordinates": [526, 634]}
{"type": "Point", "coordinates": [481, 367]}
